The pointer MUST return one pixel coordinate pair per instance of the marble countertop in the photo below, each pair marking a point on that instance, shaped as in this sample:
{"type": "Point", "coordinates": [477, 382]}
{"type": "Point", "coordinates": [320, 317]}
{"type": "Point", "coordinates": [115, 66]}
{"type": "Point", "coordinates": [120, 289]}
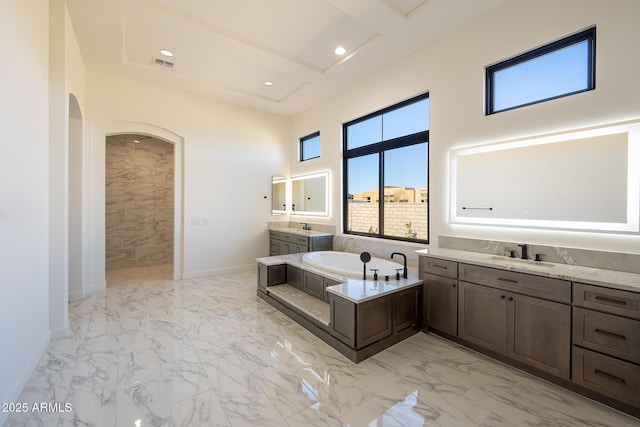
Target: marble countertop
{"type": "Point", "coordinates": [358, 290]}
{"type": "Point", "coordinates": [592, 276]}
{"type": "Point", "coordinates": [300, 232]}
{"type": "Point", "coordinates": [354, 290]}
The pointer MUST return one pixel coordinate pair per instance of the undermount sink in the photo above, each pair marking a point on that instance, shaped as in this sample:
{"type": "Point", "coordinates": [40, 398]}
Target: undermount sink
{"type": "Point", "coordinates": [507, 260]}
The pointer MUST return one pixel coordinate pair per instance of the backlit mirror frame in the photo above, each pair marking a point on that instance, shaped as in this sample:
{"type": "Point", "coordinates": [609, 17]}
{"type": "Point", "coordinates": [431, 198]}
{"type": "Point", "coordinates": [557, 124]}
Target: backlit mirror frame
{"type": "Point", "coordinates": [483, 215]}
{"type": "Point", "coordinates": [279, 192]}
{"type": "Point", "coordinates": [300, 199]}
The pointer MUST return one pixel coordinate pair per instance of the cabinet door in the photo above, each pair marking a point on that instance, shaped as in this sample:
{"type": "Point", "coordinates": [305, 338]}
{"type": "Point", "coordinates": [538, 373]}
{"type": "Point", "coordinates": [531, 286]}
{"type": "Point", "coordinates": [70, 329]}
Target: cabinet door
{"type": "Point", "coordinates": [405, 308]}
{"type": "Point", "coordinates": [301, 249]}
{"type": "Point", "coordinates": [343, 320]}
{"type": "Point", "coordinates": [327, 283]}
{"type": "Point", "coordinates": [539, 333]}
{"type": "Point", "coordinates": [285, 248]}
{"type": "Point", "coordinates": [295, 277]}
{"type": "Point", "coordinates": [313, 285]}
{"type": "Point", "coordinates": [482, 314]}
{"type": "Point", "coordinates": [441, 303]}
{"type": "Point", "coordinates": [262, 277]}
{"type": "Point", "coordinates": [373, 321]}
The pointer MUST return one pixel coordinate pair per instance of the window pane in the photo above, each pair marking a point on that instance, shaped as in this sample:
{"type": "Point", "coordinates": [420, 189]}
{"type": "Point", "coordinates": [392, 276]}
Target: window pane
{"type": "Point", "coordinates": [362, 194]}
{"type": "Point", "coordinates": [405, 192]}
{"type": "Point", "coordinates": [364, 133]}
{"type": "Point", "coordinates": [310, 147]}
{"type": "Point", "coordinates": [410, 119]}
{"type": "Point", "coordinates": [554, 74]}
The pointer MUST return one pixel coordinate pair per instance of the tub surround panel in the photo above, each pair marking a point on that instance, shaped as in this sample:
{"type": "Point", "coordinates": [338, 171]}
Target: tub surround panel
{"type": "Point", "coordinates": [377, 247]}
{"type": "Point", "coordinates": [555, 254]}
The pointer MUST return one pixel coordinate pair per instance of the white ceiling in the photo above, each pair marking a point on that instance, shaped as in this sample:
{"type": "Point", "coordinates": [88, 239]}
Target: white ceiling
{"type": "Point", "coordinates": [227, 49]}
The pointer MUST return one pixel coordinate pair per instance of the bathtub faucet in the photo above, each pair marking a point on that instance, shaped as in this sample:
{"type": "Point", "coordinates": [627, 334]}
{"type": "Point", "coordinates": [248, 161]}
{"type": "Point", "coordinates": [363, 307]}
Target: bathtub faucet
{"type": "Point", "coordinates": [404, 270]}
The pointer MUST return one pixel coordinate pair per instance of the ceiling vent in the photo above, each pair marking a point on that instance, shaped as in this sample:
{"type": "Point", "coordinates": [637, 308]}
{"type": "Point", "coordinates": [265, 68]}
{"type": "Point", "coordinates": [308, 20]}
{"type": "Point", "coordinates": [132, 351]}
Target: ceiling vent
{"type": "Point", "coordinates": [161, 63]}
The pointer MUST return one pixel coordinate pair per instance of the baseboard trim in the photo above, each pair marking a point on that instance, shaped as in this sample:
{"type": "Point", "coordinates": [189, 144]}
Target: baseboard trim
{"type": "Point", "coordinates": [219, 271]}
{"type": "Point", "coordinates": [24, 376]}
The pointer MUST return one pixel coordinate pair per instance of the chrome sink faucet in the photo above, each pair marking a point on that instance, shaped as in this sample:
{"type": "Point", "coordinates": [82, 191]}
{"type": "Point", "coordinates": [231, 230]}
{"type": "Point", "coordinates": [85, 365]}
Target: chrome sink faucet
{"type": "Point", "coordinates": [404, 270]}
{"type": "Point", "coordinates": [305, 226]}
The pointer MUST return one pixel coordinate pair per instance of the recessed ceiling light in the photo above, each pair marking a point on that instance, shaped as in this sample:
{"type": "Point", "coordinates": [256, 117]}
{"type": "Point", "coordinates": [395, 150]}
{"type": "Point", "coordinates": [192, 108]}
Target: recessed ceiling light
{"type": "Point", "coordinates": [166, 52]}
{"type": "Point", "coordinates": [268, 83]}
{"type": "Point", "coordinates": [340, 50]}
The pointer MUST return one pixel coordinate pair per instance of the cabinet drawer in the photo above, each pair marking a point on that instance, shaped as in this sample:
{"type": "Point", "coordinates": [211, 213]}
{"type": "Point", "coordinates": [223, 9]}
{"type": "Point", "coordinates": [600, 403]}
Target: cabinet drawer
{"type": "Point", "coordinates": [522, 283]}
{"type": "Point", "coordinates": [613, 335]}
{"type": "Point", "coordinates": [302, 240]}
{"type": "Point", "coordinates": [606, 375]}
{"type": "Point", "coordinates": [440, 267]}
{"type": "Point", "coordinates": [615, 301]}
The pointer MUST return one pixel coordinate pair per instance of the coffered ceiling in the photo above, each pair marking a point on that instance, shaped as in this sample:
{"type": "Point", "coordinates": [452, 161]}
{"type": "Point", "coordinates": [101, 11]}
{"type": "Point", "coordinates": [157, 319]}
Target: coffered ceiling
{"type": "Point", "coordinates": [228, 49]}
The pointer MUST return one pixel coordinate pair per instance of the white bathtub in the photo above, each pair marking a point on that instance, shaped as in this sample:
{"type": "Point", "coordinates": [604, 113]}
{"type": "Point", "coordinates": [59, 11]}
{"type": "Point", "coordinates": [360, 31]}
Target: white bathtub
{"type": "Point", "coordinates": [348, 264]}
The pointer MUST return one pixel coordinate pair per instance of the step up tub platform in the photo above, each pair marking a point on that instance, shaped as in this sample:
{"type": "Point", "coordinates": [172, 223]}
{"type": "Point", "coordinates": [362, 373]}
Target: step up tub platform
{"type": "Point", "coordinates": [357, 317]}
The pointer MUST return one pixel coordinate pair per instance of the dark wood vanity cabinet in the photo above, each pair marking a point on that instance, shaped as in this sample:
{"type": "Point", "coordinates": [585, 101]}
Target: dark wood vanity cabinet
{"type": "Point", "coordinates": [440, 294]}
{"type": "Point", "coordinates": [497, 315]}
{"type": "Point", "coordinates": [606, 342]}
{"type": "Point", "coordinates": [283, 243]}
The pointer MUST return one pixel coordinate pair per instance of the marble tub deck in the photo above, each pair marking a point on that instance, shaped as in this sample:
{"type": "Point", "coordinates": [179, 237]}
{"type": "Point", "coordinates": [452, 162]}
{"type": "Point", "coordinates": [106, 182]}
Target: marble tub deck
{"type": "Point", "coordinates": [205, 352]}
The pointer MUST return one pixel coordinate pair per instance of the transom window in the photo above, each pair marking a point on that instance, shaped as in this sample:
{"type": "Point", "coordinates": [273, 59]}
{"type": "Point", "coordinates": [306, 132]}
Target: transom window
{"type": "Point", "coordinates": [310, 147]}
{"type": "Point", "coordinates": [386, 164]}
{"type": "Point", "coordinates": [559, 69]}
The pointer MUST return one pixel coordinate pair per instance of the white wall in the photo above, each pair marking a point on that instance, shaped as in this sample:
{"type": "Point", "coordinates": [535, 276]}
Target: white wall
{"type": "Point", "coordinates": [452, 71]}
{"type": "Point", "coordinates": [230, 154]}
{"type": "Point", "coordinates": [24, 119]}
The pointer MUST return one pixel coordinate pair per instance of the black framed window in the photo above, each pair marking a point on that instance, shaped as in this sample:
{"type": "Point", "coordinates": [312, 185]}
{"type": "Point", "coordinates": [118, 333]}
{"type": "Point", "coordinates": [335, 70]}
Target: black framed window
{"type": "Point", "coordinates": [559, 69]}
{"type": "Point", "coordinates": [310, 147]}
{"type": "Point", "coordinates": [386, 164]}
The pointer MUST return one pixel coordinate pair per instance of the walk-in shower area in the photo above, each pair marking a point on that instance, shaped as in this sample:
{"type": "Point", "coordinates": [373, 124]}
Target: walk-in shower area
{"type": "Point", "coordinates": [139, 202]}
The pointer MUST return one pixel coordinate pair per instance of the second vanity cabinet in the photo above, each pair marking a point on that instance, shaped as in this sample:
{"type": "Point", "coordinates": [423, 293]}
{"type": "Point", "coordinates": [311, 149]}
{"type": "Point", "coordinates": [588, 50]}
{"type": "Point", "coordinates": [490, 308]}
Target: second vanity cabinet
{"type": "Point", "coordinates": [284, 243]}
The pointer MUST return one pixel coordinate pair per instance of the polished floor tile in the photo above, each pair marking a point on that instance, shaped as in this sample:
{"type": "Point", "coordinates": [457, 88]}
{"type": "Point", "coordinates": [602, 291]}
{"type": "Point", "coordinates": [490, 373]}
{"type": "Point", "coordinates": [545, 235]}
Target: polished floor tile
{"type": "Point", "coordinates": [153, 351]}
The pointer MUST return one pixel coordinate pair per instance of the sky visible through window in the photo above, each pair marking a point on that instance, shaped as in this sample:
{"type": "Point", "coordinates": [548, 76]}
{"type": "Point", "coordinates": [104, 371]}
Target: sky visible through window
{"type": "Point", "coordinates": [405, 167]}
{"type": "Point", "coordinates": [557, 73]}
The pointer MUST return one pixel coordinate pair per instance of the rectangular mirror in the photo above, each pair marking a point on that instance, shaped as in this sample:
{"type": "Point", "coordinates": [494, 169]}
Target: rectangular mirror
{"type": "Point", "coordinates": [585, 179]}
{"type": "Point", "coordinates": [310, 194]}
{"type": "Point", "coordinates": [278, 195]}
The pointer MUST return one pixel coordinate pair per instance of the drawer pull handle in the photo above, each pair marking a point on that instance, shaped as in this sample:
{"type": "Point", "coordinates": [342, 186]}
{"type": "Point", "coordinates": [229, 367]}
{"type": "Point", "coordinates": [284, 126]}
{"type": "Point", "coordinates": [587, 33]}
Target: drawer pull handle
{"type": "Point", "coordinates": [502, 279]}
{"type": "Point", "coordinates": [611, 334]}
{"type": "Point", "coordinates": [609, 376]}
{"type": "Point", "coordinates": [441, 267]}
{"type": "Point", "coordinates": [610, 300]}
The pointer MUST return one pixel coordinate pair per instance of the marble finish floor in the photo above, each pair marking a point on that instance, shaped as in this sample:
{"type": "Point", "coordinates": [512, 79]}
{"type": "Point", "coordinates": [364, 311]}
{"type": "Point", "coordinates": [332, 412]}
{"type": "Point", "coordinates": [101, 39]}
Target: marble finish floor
{"type": "Point", "coordinates": [208, 352]}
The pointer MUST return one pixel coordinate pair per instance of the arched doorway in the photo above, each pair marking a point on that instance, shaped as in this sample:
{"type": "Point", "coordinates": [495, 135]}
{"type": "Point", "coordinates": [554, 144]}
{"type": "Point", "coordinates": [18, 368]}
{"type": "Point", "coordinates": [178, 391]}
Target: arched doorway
{"type": "Point", "coordinates": [97, 208]}
{"type": "Point", "coordinates": [75, 203]}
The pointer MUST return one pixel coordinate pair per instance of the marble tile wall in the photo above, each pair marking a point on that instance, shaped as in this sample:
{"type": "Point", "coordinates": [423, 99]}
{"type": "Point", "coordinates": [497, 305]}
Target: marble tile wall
{"type": "Point", "coordinates": [139, 202]}
{"type": "Point", "coordinates": [572, 256]}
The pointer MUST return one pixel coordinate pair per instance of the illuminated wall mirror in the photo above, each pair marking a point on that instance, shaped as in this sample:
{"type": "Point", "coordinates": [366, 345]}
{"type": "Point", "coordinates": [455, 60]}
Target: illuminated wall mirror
{"type": "Point", "coordinates": [310, 194]}
{"type": "Point", "coordinates": [585, 179]}
{"type": "Point", "coordinates": [278, 195]}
